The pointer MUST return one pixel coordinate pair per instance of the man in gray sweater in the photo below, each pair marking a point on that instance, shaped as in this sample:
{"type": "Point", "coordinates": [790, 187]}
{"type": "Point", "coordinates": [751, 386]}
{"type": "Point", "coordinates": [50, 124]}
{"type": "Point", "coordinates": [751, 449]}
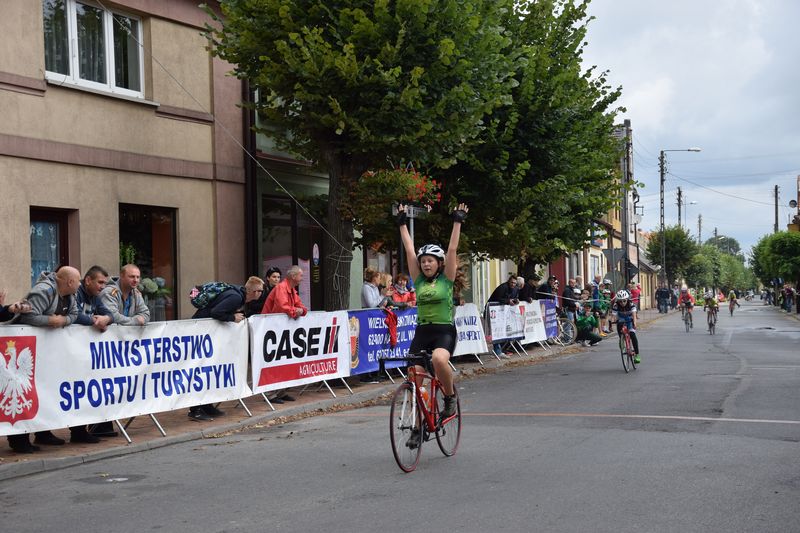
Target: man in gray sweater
{"type": "Point", "coordinates": [52, 302]}
{"type": "Point", "coordinates": [124, 300]}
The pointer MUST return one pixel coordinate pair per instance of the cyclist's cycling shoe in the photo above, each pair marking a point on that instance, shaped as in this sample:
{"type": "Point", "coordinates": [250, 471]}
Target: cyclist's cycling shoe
{"type": "Point", "coordinates": [413, 440]}
{"type": "Point", "coordinates": [637, 359]}
{"type": "Point", "coordinates": [449, 407]}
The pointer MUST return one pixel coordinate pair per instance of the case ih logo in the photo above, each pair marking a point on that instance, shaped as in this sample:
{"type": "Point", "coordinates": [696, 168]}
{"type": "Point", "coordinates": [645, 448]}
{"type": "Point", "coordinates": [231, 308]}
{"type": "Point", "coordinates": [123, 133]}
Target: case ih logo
{"type": "Point", "coordinates": [308, 346]}
{"type": "Point", "coordinates": [18, 399]}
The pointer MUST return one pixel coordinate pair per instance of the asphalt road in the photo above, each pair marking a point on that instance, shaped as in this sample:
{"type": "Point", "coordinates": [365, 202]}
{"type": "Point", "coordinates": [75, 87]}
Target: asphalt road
{"type": "Point", "coordinates": [702, 437]}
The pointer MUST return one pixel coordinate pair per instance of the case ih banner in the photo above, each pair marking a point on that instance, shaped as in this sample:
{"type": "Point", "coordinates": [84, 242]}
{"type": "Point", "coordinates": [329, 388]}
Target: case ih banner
{"type": "Point", "coordinates": [286, 352]}
{"type": "Point", "coordinates": [55, 378]}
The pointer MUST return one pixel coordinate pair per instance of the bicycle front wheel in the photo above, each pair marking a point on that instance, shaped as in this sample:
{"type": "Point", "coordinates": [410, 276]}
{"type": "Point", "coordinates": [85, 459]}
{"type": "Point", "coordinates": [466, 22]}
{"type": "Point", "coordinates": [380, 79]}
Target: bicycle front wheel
{"type": "Point", "coordinates": [627, 362]}
{"type": "Point", "coordinates": [403, 421]}
{"type": "Point", "coordinates": [686, 322]}
{"type": "Point", "coordinates": [448, 432]}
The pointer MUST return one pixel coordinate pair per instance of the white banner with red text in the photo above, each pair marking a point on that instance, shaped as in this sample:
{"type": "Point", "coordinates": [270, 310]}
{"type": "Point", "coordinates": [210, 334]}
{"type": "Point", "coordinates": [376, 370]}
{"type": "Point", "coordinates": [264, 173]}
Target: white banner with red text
{"type": "Point", "coordinates": [287, 352]}
{"type": "Point", "coordinates": [55, 378]}
{"type": "Point", "coordinates": [534, 322]}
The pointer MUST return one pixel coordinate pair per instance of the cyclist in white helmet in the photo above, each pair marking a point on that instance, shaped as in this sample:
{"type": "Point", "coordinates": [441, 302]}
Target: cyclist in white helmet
{"type": "Point", "coordinates": [624, 312]}
{"type": "Point", "coordinates": [434, 271]}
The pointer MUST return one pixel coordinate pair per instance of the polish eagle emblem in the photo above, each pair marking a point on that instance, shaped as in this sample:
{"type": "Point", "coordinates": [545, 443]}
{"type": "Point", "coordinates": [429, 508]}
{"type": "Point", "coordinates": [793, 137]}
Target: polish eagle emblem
{"type": "Point", "coordinates": [18, 399]}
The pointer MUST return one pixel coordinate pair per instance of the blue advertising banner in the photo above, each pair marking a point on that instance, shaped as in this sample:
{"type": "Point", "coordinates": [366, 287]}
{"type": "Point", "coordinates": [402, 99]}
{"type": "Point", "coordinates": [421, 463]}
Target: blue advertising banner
{"type": "Point", "coordinates": [370, 339]}
{"type": "Point", "coordinates": [550, 318]}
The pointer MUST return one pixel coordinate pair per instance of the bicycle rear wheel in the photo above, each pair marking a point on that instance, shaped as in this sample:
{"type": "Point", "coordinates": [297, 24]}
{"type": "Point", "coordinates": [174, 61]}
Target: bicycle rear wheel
{"type": "Point", "coordinates": [627, 362]}
{"type": "Point", "coordinates": [403, 420]}
{"type": "Point", "coordinates": [567, 332]}
{"type": "Point", "coordinates": [448, 434]}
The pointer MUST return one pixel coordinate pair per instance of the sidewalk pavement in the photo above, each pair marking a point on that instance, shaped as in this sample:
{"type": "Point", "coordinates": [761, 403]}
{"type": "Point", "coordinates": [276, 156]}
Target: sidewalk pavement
{"type": "Point", "coordinates": [313, 401]}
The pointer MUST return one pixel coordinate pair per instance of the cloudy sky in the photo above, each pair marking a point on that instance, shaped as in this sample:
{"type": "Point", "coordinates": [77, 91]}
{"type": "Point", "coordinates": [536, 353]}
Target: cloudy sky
{"type": "Point", "coordinates": [722, 75]}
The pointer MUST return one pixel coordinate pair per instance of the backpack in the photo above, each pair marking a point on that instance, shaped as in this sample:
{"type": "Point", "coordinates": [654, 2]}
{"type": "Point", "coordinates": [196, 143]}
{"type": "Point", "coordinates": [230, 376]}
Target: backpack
{"type": "Point", "coordinates": [202, 295]}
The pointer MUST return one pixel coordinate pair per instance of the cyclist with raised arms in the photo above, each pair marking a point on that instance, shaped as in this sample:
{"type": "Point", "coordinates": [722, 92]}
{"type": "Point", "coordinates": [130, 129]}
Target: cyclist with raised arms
{"type": "Point", "coordinates": [433, 272]}
{"type": "Point", "coordinates": [624, 311]}
{"type": "Point", "coordinates": [686, 300]}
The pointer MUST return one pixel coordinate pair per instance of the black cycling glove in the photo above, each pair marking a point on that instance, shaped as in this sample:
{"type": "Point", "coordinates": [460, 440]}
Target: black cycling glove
{"type": "Point", "coordinates": [401, 219]}
{"type": "Point", "coordinates": [459, 215]}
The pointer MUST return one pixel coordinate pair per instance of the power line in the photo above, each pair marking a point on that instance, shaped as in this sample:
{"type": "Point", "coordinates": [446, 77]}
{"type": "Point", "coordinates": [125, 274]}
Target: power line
{"type": "Point", "coordinates": [719, 192]}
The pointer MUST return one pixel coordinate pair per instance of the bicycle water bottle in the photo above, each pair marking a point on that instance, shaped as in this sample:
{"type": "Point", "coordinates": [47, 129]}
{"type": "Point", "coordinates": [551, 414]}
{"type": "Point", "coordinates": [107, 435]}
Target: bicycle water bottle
{"type": "Point", "coordinates": [424, 392]}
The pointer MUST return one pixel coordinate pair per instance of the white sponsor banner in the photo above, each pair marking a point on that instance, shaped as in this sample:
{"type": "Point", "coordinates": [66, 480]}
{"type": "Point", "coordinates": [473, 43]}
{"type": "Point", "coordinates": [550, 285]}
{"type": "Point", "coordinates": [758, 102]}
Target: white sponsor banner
{"type": "Point", "coordinates": [505, 322]}
{"type": "Point", "coordinates": [469, 329]}
{"type": "Point", "coordinates": [534, 322]}
{"type": "Point", "coordinates": [288, 352]}
{"type": "Point", "coordinates": [55, 378]}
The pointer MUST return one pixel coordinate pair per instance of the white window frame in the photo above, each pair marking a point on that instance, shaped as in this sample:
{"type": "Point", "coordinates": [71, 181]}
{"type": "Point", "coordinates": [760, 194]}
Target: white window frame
{"type": "Point", "coordinates": [73, 78]}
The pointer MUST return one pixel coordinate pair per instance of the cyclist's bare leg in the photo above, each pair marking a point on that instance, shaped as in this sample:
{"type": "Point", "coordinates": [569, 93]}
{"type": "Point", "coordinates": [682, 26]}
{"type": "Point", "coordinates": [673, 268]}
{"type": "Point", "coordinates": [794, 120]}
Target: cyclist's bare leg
{"type": "Point", "coordinates": [441, 364]}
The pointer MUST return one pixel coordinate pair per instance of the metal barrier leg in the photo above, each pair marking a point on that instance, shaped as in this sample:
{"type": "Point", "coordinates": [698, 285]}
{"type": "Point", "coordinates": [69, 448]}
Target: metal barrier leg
{"type": "Point", "coordinates": [160, 429]}
{"type": "Point", "coordinates": [122, 429]}
{"type": "Point", "coordinates": [268, 402]}
{"type": "Point", "coordinates": [329, 388]}
{"type": "Point", "coordinates": [346, 385]}
{"type": "Point", "coordinates": [479, 359]}
{"type": "Point", "coordinates": [246, 410]}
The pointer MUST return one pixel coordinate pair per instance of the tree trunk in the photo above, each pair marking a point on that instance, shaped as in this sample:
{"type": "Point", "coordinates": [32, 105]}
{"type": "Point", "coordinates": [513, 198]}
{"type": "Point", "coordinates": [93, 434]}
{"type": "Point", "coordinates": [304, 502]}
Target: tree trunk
{"type": "Point", "coordinates": [339, 248]}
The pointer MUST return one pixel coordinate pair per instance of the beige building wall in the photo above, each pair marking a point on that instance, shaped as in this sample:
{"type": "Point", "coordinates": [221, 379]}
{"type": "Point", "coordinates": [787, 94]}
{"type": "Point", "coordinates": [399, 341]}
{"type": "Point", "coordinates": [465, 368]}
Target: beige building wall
{"type": "Point", "coordinates": [88, 151]}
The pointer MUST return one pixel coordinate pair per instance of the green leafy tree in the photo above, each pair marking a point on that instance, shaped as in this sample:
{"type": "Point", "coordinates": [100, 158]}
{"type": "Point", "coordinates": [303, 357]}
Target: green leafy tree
{"type": "Point", "coordinates": [348, 83]}
{"type": "Point", "coordinates": [680, 248]}
{"type": "Point", "coordinates": [729, 245]}
{"type": "Point", "coordinates": [544, 169]}
{"type": "Point", "coordinates": [699, 271]}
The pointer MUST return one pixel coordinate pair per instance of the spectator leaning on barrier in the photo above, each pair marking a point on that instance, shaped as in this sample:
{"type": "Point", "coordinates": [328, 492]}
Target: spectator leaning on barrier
{"type": "Point", "coordinates": [284, 298]}
{"type": "Point", "coordinates": [547, 290]}
{"type": "Point", "coordinates": [569, 302]}
{"type": "Point", "coordinates": [253, 292]}
{"type": "Point", "coordinates": [52, 301]}
{"type": "Point", "coordinates": [504, 294]}
{"type": "Point", "coordinates": [8, 312]}
{"type": "Point", "coordinates": [228, 306]}
{"type": "Point", "coordinates": [122, 297]}
{"type": "Point", "coordinates": [92, 312]}
{"type": "Point", "coordinates": [528, 291]}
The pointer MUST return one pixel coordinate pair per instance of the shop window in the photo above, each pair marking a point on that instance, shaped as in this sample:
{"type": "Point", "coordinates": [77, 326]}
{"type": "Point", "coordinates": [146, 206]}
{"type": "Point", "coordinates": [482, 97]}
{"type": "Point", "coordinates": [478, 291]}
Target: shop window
{"type": "Point", "coordinates": [147, 239]}
{"type": "Point", "coordinates": [49, 241]}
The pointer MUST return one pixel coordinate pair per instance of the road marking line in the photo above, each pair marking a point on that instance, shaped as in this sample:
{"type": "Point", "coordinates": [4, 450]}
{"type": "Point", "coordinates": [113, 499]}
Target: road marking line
{"type": "Point", "coordinates": [604, 415]}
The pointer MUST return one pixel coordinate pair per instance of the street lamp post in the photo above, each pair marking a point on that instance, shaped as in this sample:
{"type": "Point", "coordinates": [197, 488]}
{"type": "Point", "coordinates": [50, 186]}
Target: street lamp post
{"type": "Point", "coordinates": [662, 167]}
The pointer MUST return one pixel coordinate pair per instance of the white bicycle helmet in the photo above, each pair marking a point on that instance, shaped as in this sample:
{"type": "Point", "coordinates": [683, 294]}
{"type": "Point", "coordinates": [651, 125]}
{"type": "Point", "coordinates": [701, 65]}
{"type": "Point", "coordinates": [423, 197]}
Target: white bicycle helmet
{"type": "Point", "coordinates": [431, 249]}
{"type": "Point", "coordinates": [622, 294]}
{"type": "Point", "coordinates": [709, 295]}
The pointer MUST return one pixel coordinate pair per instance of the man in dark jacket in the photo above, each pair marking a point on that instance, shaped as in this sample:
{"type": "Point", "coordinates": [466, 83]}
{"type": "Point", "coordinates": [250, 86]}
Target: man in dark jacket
{"type": "Point", "coordinates": [528, 292]}
{"type": "Point", "coordinates": [228, 306]}
{"type": "Point", "coordinates": [547, 290]}
{"type": "Point", "coordinates": [92, 312]}
{"type": "Point", "coordinates": [505, 293]}
{"type": "Point", "coordinates": [569, 301]}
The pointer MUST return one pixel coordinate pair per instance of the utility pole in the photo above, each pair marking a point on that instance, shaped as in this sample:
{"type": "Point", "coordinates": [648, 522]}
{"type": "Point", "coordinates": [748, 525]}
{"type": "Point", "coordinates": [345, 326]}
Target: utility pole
{"type": "Point", "coordinates": [627, 178]}
{"type": "Point", "coordinates": [699, 229]}
{"type": "Point", "coordinates": [776, 209]}
{"type": "Point", "coordinates": [662, 163]}
{"type": "Point", "coordinates": [680, 206]}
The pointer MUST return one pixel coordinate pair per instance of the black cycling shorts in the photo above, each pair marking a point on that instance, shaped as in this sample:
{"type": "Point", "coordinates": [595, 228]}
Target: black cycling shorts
{"type": "Point", "coordinates": [428, 337]}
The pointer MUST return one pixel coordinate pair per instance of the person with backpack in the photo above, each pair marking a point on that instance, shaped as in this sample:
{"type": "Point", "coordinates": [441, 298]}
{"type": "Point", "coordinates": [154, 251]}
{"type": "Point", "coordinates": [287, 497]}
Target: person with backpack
{"type": "Point", "coordinates": [224, 302]}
